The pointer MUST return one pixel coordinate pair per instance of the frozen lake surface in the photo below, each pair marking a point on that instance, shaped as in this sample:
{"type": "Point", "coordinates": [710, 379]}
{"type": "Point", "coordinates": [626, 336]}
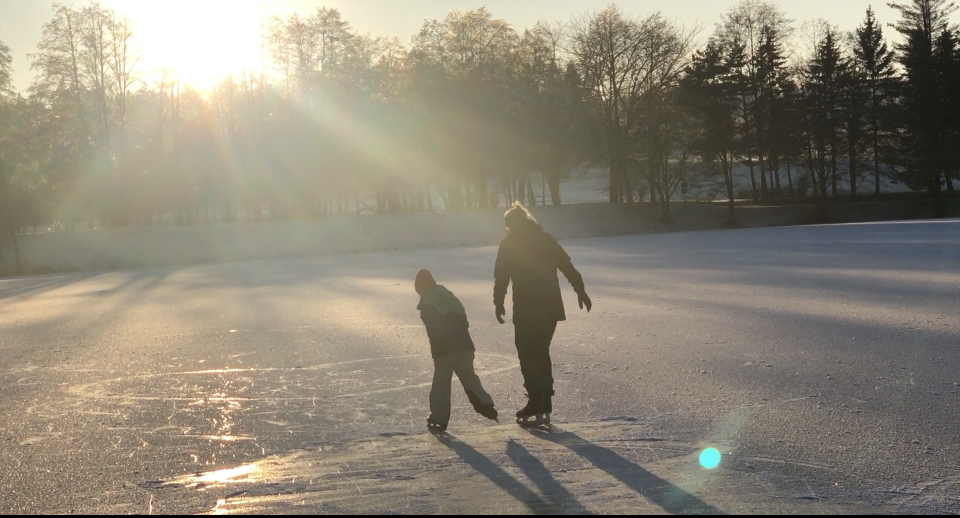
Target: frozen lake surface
{"type": "Point", "coordinates": [822, 361]}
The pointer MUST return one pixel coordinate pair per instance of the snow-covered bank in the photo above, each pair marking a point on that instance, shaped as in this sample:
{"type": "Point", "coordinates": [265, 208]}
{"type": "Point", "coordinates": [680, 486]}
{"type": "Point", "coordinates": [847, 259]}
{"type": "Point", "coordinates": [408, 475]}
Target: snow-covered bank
{"type": "Point", "coordinates": [207, 243]}
{"type": "Point", "coordinates": [133, 247]}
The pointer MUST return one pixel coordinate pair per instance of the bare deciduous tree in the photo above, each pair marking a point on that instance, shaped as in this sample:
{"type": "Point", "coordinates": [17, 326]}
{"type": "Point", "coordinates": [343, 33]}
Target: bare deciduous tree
{"type": "Point", "coordinates": [627, 64]}
{"type": "Point", "coordinates": [753, 25]}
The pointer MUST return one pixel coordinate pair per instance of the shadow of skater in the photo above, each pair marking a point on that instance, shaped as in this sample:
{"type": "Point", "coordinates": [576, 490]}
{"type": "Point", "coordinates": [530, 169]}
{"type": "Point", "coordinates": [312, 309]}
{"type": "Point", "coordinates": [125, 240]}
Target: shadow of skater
{"type": "Point", "coordinates": [497, 475]}
{"type": "Point", "coordinates": [659, 491]}
{"type": "Point", "coordinates": [563, 501]}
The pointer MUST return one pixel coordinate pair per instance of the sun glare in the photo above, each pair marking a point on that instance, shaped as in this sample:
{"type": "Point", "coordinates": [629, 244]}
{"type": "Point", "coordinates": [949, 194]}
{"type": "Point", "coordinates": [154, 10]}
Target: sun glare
{"type": "Point", "coordinates": [198, 41]}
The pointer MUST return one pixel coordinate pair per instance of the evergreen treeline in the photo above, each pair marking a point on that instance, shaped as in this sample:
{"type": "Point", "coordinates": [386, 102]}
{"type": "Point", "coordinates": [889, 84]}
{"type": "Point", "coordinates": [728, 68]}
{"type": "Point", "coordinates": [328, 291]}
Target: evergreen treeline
{"type": "Point", "coordinates": [336, 117]}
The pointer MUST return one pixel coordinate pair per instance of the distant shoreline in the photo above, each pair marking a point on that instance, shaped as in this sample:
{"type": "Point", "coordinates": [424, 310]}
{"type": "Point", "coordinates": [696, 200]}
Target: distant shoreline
{"type": "Point", "coordinates": [204, 243]}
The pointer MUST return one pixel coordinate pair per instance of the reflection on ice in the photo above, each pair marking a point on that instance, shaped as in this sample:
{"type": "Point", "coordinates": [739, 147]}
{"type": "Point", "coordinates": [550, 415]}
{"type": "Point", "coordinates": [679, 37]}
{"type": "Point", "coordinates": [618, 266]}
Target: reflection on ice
{"type": "Point", "coordinates": [212, 479]}
{"type": "Point", "coordinates": [246, 473]}
{"type": "Point", "coordinates": [245, 487]}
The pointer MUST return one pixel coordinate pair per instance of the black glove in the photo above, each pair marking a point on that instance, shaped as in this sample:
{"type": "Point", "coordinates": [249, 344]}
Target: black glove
{"type": "Point", "coordinates": [584, 300]}
{"type": "Point", "coordinates": [500, 313]}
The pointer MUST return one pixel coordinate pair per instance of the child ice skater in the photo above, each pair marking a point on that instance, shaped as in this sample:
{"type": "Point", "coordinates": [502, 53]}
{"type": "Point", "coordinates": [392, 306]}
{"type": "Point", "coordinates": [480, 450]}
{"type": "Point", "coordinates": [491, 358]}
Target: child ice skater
{"type": "Point", "coordinates": [452, 350]}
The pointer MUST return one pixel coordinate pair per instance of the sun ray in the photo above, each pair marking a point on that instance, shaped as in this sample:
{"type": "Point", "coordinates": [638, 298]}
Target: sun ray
{"type": "Point", "coordinates": [200, 41]}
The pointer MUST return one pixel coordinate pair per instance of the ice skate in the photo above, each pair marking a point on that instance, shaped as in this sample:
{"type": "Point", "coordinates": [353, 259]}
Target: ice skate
{"type": "Point", "coordinates": [534, 420]}
{"type": "Point", "coordinates": [435, 427]}
{"type": "Point", "coordinates": [487, 411]}
{"type": "Point", "coordinates": [534, 414]}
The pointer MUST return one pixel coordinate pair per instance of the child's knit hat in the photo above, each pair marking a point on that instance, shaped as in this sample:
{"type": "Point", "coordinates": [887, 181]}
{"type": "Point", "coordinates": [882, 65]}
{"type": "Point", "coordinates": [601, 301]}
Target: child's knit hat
{"type": "Point", "coordinates": [423, 280]}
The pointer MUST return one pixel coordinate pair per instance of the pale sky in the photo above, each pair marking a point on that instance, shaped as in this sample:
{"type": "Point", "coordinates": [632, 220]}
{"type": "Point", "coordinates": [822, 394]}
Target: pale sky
{"type": "Point", "coordinates": [204, 38]}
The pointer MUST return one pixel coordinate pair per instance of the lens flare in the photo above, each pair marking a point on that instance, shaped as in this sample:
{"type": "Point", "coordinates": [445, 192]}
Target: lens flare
{"type": "Point", "coordinates": [710, 458]}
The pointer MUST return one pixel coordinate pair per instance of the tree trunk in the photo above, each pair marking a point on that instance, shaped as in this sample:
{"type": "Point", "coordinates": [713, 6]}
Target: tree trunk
{"type": "Point", "coordinates": [455, 196]}
{"type": "Point", "coordinates": [775, 173]}
{"type": "Point", "coordinates": [531, 195]}
{"type": "Point", "coordinates": [616, 173]}
{"type": "Point", "coordinates": [853, 175]}
{"type": "Point", "coordinates": [833, 172]}
{"type": "Point", "coordinates": [753, 178]}
{"type": "Point", "coordinates": [553, 182]}
{"type": "Point", "coordinates": [483, 200]}
{"type": "Point", "coordinates": [665, 205]}
{"type": "Point", "coordinates": [627, 191]}
{"type": "Point", "coordinates": [393, 201]}
{"type": "Point", "coordinates": [876, 168]}
{"type": "Point", "coordinates": [445, 198]}
{"type": "Point", "coordinates": [728, 180]}
{"type": "Point", "coordinates": [937, 195]}
{"type": "Point", "coordinates": [543, 189]}
{"type": "Point", "coordinates": [764, 193]}
{"type": "Point", "coordinates": [790, 179]}
{"type": "Point", "coordinates": [822, 172]}
{"type": "Point", "coordinates": [16, 250]}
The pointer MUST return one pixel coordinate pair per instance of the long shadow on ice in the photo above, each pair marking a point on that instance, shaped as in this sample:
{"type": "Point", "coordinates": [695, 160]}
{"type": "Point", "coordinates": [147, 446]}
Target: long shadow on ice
{"type": "Point", "coordinates": [671, 498]}
{"type": "Point", "coordinates": [533, 468]}
{"type": "Point", "coordinates": [498, 476]}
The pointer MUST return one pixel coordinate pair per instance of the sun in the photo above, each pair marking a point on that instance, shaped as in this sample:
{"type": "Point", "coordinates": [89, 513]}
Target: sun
{"type": "Point", "coordinates": [197, 41]}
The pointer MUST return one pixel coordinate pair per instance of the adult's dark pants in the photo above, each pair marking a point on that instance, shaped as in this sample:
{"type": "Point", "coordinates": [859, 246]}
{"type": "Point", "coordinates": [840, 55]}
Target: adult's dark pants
{"type": "Point", "coordinates": [533, 348]}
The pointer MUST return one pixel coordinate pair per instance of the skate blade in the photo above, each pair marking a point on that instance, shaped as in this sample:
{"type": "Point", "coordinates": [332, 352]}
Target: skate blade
{"type": "Point", "coordinates": [534, 420]}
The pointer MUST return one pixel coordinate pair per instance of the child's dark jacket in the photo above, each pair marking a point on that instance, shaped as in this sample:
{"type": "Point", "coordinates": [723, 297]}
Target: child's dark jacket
{"type": "Point", "coordinates": [446, 322]}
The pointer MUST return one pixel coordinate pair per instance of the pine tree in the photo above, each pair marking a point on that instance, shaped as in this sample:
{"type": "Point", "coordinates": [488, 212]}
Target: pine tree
{"type": "Point", "coordinates": [924, 139]}
{"type": "Point", "coordinates": [751, 23]}
{"type": "Point", "coordinates": [709, 89]}
{"type": "Point", "coordinates": [876, 61]}
{"type": "Point", "coordinates": [774, 88]}
{"type": "Point", "coordinates": [822, 124]}
{"type": "Point", "coordinates": [854, 98]}
{"type": "Point", "coordinates": [947, 62]}
{"type": "Point", "coordinates": [6, 70]}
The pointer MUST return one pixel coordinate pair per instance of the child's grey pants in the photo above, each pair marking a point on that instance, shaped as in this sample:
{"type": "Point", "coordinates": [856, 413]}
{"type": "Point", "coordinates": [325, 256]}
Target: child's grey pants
{"type": "Point", "coordinates": [443, 369]}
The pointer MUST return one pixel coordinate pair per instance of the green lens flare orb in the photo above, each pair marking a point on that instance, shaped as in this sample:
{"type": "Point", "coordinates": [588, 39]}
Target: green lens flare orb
{"type": "Point", "coordinates": [710, 458]}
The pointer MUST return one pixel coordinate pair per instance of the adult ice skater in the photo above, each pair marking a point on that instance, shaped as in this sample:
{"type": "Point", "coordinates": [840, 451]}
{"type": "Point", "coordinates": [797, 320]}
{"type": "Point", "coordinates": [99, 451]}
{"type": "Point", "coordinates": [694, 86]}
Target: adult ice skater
{"type": "Point", "coordinates": [530, 258]}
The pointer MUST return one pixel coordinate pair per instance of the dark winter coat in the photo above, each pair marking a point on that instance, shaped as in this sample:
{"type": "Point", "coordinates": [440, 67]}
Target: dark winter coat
{"type": "Point", "coordinates": [446, 322]}
{"type": "Point", "coordinates": [530, 258]}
